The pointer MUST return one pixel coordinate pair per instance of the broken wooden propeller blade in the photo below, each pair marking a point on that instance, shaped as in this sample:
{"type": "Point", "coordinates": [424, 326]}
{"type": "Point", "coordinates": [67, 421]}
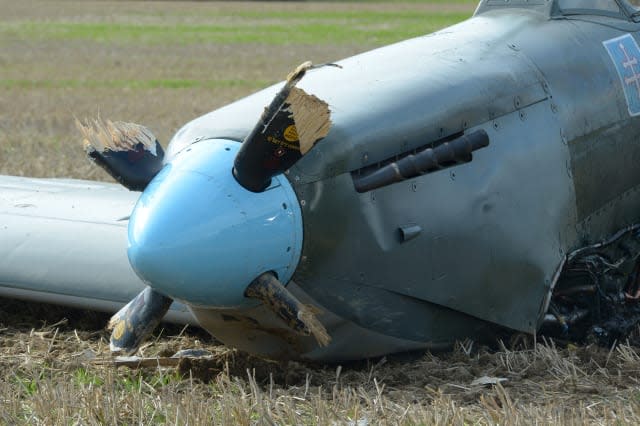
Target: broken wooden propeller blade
{"type": "Point", "coordinates": [288, 128]}
{"type": "Point", "coordinates": [129, 152]}
{"type": "Point", "coordinates": [300, 318]}
{"type": "Point", "coordinates": [135, 322]}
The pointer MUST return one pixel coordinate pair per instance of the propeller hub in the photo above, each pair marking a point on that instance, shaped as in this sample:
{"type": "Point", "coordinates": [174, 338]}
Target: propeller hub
{"type": "Point", "coordinates": [198, 236]}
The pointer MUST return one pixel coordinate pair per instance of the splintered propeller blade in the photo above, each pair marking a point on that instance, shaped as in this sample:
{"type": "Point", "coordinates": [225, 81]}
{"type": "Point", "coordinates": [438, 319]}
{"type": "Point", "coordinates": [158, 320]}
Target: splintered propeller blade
{"type": "Point", "coordinates": [129, 152]}
{"type": "Point", "coordinates": [135, 322]}
{"type": "Point", "coordinates": [288, 128]}
{"type": "Point", "coordinates": [300, 318]}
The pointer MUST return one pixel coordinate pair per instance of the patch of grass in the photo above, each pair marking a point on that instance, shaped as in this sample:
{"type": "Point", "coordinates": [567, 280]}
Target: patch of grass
{"type": "Point", "coordinates": [369, 17]}
{"type": "Point", "coordinates": [84, 377]}
{"type": "Point", "coordinates": [544, 384]}
{"type": "Point", "coordinates": [27, 385]}
{"type": "Point", "coordinates": [132, 383]}
{"type": "Point", "coordinates": [373, 28]}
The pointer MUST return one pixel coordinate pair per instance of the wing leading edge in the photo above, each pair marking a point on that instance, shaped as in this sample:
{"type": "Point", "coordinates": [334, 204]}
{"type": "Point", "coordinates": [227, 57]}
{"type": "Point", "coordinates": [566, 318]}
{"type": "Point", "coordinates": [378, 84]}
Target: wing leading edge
{"type": "Point", "coordinates": [65, 242]}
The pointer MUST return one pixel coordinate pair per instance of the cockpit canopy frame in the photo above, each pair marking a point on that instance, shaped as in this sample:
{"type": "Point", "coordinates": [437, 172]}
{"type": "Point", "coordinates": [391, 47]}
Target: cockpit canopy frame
{"type": "Point", "coordinates": [620, 9]}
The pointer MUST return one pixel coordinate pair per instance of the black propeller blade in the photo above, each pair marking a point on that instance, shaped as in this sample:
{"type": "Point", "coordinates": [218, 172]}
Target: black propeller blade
{"type": "Point", "coordinates": [134, 322]}
{"type": "Point", "coordinates": [129, 152]}
{"type": "Point", "coordinates": [287, 129]}
{"type": "Point", "coordinates": [300, 318]}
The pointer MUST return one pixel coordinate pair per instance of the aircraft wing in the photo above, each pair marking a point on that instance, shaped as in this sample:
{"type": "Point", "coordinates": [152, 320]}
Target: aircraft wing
{"type": "Point", "coordinates": [65, 242]}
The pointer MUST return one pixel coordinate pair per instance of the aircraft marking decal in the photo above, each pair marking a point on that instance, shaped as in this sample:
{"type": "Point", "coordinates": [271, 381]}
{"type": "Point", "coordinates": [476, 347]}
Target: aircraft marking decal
{"type": "Point", "coordinates": [625, 54]}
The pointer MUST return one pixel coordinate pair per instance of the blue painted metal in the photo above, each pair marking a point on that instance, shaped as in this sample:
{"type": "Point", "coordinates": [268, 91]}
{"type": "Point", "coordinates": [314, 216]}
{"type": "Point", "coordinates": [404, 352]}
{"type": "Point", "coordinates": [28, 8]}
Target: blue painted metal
{"type": "Point", "coordinates": [625, 55]}
{"type": "Point", "coordinates": [198, 236]}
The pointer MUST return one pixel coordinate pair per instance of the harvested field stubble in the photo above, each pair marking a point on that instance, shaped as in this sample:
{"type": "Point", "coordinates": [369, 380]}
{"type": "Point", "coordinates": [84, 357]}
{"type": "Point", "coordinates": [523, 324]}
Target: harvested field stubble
{"type": "Point", "coordinates": [161, 64]}
{"type": "Point", "coordinates": [63, 373]}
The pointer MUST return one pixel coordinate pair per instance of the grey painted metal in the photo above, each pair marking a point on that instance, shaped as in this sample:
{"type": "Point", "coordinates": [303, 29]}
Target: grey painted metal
{"type": "Point", "coordinates": [491, 236]}
{"type": "Point", "coordinates": [399, 97]}
{"type": "Point", "coordinates": [257, 330]}
{"type": "Point", "coordinates": [494, 231]}
{"type": "Point", "coordinates": [481, 249]}
{"type": "Point", "coordinates": [65, 241]}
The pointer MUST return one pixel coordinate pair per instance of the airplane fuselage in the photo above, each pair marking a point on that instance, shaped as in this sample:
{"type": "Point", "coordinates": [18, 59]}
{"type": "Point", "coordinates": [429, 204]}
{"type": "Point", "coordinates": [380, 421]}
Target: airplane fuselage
{"type": "Point", "coordinates": [505, 235]}
{"type": "Point", "coordinates": [486, 238]}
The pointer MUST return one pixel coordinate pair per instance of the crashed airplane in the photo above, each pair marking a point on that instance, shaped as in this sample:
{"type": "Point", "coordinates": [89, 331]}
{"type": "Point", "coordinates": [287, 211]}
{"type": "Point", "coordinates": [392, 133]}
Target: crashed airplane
{"type": "Point", "coordinates": [481, 178]}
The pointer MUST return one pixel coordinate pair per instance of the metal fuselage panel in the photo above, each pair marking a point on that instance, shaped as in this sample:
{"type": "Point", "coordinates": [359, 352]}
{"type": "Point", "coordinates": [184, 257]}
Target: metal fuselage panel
{"type": "Point", "coordinates": [597, 127]}
{"type": "Point", "coordinates": [494, 231]}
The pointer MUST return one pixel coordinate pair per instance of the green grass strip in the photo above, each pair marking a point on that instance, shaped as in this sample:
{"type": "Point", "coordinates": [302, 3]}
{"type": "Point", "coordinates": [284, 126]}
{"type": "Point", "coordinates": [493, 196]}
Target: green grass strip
{"type": "Point", "coordinates": [323, 29]}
